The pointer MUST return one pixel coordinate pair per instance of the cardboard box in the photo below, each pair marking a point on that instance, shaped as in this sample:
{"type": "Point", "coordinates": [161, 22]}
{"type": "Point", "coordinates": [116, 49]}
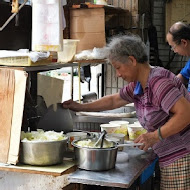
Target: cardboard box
{"type": "Point", "coordinates": [87, 20]}
{"type": "Point", "coordinates": [50, 88]}
{"type": "Point", "coordinates": [176, 10]}
{"type": "Point", "coordinates": [88, 25]}
{"type": "Point", "coordinates": [89, 40]}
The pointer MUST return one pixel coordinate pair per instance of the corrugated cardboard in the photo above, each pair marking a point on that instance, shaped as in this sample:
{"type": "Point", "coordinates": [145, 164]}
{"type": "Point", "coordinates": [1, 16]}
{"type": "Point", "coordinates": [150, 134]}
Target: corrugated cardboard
{"type": "Point", "coordinates": [87, 20]}
{"type": "Point", "coordinates": [88, 25]}
{"type": "Point", "coordinates": [50, 88]}
{"type": "Point", "coordinates": [177, 10]}
{"type": "Point", "coordinates": [89, 40]}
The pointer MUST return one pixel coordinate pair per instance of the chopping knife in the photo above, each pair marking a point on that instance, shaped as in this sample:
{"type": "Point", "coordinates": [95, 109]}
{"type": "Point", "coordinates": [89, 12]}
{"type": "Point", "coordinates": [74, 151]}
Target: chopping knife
{"type": "Point", "coordinates": [56, 118]}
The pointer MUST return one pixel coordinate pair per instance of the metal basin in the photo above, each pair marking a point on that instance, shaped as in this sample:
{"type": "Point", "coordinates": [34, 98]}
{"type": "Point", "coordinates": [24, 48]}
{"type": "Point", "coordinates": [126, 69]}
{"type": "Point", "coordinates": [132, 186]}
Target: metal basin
{"type": "Point", "coordinates": [95, 159]}
{"type": "Point", "coordinates": [42, 153]}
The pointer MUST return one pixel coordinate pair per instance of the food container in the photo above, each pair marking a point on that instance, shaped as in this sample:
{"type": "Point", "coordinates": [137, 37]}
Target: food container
{"type": "Point", "coordinates": [95, 159]}
{"type": "Point", "coordinates": [109, 128]}
{"type": "Point", "coordinates": [42, 153]}
{"type": "Point", "coordinates": [123, 126]}
{"type": "Point", "coordinates": [69, 50]}
{"type": "Point", "coordinates": [75, 136]}
{"type": "Point", "coordinates": [111, 137]}
{"type": "Point", "coordinates": [135, 130]}
{"type": "Point", "coordinates": [118, 136]}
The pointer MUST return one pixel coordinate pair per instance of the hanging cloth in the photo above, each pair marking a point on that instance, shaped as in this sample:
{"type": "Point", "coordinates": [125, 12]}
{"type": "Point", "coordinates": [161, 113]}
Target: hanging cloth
{"type": "Point", "coordinates": [47, 25]}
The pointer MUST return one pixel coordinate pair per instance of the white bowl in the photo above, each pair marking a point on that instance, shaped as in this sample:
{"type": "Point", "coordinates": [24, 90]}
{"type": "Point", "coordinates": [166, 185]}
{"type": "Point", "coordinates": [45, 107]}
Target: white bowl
{"type": "Point", "coordinates": [135, 130]}
{"type": "Point", "coordinates": [109, 128]}
{"type": "Point", "coordinates": [123, 126]}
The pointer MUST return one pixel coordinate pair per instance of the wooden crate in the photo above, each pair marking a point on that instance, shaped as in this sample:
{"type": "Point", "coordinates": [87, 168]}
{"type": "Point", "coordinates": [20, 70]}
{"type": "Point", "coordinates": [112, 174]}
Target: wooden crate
{"type": "Point", "coordinates": [23, 61]}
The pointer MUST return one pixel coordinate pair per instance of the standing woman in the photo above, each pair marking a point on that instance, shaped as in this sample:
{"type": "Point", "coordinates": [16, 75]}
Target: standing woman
{"type": "Point", "coordinates": [178, 38]}
{"type": "Point", "coordinates": [162, 106]}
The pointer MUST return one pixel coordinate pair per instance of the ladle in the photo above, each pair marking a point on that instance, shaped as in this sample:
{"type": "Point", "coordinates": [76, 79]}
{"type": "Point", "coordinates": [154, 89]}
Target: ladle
{"type": "Point", "coordinates": [101, 138]}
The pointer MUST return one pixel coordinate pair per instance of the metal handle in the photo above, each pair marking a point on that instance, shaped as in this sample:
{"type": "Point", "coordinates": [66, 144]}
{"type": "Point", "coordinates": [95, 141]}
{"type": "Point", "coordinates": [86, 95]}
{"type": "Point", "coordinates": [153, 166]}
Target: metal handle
{"type": "Point", "coordinates": [130, 144]}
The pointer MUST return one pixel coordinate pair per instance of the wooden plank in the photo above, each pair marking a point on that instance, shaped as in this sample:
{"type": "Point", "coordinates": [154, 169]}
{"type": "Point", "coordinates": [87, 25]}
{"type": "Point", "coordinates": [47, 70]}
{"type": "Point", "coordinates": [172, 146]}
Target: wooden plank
{"type": "Point", "coordinates": [6, 107]}
{"type": "Point", "coordinates": [18, 107]}
{"type": "Point", "coordinates": [56, 170]}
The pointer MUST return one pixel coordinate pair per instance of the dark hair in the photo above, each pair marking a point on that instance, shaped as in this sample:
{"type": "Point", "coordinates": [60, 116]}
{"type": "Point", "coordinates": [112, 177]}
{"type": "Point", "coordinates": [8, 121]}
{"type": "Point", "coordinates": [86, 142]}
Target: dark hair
{"type": "Point", "coordinates": [180, 31]}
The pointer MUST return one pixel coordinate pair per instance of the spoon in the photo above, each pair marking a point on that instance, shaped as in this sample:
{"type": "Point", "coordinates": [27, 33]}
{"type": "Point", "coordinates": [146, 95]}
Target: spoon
{"type": "Point", "coordinates": [101, 138]}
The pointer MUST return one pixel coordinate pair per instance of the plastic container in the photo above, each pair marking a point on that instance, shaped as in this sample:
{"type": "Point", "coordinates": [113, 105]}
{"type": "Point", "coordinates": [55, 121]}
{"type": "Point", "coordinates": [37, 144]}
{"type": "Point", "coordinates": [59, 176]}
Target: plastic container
{"type": "Point", "coordinates": [109, 128]}
{"type": "Point", "coordinates": [123, 126]}
{"type": "Point", "coordinates": [75, 136]}
{"type": "Point", "coordinates": [69, 51]}
{"type": "Point", "coordinates": [101, 2]}
{"type": "Point", "coordinates": [135, 130]}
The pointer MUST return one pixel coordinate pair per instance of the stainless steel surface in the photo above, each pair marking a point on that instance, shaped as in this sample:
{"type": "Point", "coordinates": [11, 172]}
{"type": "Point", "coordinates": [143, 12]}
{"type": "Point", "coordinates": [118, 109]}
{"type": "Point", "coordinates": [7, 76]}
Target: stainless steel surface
{"type": "Point", "coordinates": [130, 163]}
{"type": "Point", "coordinates": [92, 123]}
{"type": "Point", "coordinates": [57, 118]}
{"type": "Point", "coordinates": [95, 159]}
{"type": "Point", "coordinates": [42, 153]}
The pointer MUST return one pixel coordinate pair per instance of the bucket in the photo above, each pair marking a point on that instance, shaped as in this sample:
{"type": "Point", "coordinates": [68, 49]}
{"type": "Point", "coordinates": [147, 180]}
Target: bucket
{"type": "Point", "coordinates": [69, 50]}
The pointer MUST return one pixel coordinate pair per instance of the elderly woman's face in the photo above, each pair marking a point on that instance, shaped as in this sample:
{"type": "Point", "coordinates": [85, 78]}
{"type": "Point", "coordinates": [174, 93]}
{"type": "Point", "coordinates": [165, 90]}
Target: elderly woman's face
{"type": "Point", "coordinates": [125, 70]}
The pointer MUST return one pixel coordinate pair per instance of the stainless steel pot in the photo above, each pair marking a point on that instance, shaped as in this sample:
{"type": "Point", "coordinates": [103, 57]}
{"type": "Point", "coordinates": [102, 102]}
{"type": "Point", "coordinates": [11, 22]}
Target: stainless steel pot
{"type": "Point", "coordinates": [95, 159]}
{"type": "Point", "coordinates": [42, 153]}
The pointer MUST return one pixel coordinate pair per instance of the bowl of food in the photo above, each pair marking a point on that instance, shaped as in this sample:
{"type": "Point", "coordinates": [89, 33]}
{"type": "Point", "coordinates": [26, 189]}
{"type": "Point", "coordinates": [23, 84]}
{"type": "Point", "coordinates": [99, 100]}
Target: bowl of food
{"type": "Point", "coordinates": [109, 128]}
{"type": "Point", "coordinates": [42, 148]}
{"type": "Point", "coordinates": [123, 126]}
{"type": "Point", "coordinates": [135, 130]}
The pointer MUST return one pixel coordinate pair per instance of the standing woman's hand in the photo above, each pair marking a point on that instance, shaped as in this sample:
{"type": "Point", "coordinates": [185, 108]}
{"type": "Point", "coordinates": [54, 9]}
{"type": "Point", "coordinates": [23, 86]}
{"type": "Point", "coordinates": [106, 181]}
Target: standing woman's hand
{"type": "Point", "coordinates": [70, 104]}
{"type": "Point", "coordinates": [148, 140]}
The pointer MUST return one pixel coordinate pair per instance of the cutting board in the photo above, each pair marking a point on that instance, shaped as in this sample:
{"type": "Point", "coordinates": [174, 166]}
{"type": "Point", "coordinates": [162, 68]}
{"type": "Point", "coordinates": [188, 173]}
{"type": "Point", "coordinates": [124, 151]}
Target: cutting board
{"type": "Point", "coordinates": [55, 170]}
{"type": "Point", "coordinates": [12, 94]}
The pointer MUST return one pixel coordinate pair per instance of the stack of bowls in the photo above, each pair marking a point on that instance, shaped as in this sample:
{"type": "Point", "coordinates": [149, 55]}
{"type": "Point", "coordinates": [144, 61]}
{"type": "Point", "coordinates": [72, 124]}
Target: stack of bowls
{"type": "Point", "coordinates": [135, 130]}
{"type": "Point", "coordinates": [123, 126]}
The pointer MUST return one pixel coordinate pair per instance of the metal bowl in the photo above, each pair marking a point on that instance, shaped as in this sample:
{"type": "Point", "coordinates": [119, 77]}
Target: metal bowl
{"type": "Point", "coordinates": [95, 159]}
{"type": "Point", "coordinates": [42, 153]}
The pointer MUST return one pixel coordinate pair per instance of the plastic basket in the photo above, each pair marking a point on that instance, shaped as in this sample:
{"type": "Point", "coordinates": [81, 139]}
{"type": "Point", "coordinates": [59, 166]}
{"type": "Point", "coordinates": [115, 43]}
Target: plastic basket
{"type": "Point", "coordinates": [23, 61]}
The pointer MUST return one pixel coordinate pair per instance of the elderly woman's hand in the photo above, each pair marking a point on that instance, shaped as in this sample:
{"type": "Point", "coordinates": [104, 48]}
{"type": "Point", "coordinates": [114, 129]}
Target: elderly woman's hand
{"type": "Point", "coordinates": [148, 140]}
{"type": "Point", "coordinates": [70, 104]}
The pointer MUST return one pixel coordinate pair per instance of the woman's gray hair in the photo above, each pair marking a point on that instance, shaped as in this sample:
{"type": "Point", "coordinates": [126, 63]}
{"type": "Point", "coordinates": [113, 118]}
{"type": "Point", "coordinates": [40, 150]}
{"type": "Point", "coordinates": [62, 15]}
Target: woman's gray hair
{"type": "Point", "coordinates": [121, 47]}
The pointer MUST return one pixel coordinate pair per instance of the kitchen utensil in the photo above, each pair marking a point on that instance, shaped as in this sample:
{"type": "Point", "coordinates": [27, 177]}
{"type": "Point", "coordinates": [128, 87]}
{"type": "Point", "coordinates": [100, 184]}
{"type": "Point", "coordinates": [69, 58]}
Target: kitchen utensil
{"type": "Point", "coordinates": [95, 159]}
{"type": "Point", "coordinates": [100, 140]}
{"type": "Point", "coordinates": [130, 144]}
{"type": "Point", "coordinates": [42, 153]}
{"type": "Point", "coordinates": [56, 118]}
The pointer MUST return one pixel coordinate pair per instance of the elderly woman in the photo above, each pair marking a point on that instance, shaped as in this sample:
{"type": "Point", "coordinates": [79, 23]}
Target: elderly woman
{"type": "Point", "coordinates": [162, 107]}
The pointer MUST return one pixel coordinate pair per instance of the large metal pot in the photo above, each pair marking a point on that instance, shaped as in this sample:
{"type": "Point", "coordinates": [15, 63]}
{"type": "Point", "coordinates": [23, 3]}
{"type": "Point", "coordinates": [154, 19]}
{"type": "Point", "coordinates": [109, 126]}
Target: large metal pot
{"type": "Point", "coordinates": [42, 153]}
{"type": "Point", "coordinates": [95, 159]}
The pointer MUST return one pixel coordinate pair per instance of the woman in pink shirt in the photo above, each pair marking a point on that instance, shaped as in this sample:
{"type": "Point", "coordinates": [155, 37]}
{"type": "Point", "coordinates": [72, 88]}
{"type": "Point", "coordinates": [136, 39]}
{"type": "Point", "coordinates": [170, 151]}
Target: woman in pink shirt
{"type": "Point", "coordinates": [162, 105]}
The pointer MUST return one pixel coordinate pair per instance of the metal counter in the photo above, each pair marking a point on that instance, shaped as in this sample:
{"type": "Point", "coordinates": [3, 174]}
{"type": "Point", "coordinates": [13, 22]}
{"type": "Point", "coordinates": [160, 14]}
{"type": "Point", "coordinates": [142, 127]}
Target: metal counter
{"type": "Point", "coordinates": [129, 166]}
